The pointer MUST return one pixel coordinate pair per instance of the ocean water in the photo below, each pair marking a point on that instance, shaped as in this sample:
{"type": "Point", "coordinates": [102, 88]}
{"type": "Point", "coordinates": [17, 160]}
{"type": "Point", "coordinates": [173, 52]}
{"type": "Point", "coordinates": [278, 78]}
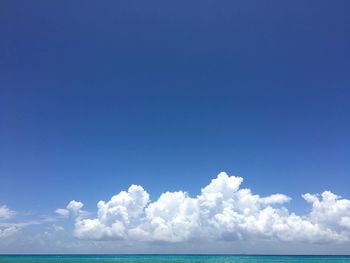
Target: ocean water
{"type": "Point", "coordinates": [172, 258]}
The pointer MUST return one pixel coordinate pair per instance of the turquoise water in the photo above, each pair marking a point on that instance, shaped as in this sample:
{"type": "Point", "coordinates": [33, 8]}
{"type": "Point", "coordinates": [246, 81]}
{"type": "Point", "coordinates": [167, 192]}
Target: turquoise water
{"type": "Point", "coordinates": [175, 258]}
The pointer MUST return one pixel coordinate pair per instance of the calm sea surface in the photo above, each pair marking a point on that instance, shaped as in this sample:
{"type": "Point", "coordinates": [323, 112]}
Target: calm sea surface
{"type": "Point", "coordinates": [177, 258]}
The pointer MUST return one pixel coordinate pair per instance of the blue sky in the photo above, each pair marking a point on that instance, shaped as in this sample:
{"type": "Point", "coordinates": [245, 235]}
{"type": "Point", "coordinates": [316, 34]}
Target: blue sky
{"type": "Point", "coordinates": [95, 97]}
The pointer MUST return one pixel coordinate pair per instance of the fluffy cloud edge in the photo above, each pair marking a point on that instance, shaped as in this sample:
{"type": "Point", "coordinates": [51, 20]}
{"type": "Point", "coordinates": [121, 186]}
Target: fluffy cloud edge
{"type": "Point", "coordinates": [222, 211]}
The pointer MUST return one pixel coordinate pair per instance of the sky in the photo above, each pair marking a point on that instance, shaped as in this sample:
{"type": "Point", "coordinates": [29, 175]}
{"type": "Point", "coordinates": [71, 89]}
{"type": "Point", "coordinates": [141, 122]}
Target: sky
{"type": "Point", "coordinates": [203, 126]}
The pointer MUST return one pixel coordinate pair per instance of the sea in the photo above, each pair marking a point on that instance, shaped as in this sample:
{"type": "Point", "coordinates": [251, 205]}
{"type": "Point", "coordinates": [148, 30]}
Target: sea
{"type": "Point", "coordinates": [171, 258]}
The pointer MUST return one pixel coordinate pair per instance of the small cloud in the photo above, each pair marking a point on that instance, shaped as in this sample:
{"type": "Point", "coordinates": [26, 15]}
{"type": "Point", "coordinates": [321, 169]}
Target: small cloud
{"type": "Point", "coordinates": [57, 228]}
{"type": "Point", "coordinates": [73, 210]}
{"type": "Point", "coordinates": [62, 212]}
{"type": "Point", "coordinates": [5, 212]}
{"type": "Point", "coordinates": [275, 199]}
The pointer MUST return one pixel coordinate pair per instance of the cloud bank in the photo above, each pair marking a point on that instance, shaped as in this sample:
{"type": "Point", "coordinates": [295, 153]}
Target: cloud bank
{"type": "Point", "coordinates": [223, 211]}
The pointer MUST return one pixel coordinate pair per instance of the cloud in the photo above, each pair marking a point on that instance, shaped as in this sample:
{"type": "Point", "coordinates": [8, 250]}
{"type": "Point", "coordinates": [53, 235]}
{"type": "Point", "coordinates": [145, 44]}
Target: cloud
{"type": "Point", "coordinates": [73, 210]}
{"type": "Point", "coordinates": [5, 212]}
{"type": "Point", "coordinates": [8, 231]}
{"type": "Point", "coordinates": [62, 212]}
{"type": "Point", "coordinates": [221, 212]}
{"type": "Point", "coordinates": [275, 199]}
{"type": "Point", "coordinates": [330, 210]}
{"type": "Point", "coordinates": [12, 222]}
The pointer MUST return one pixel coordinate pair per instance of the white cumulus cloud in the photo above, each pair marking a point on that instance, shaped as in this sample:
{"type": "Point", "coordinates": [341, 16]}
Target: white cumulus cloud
{"type": "Point", "coordinates": [222, 211]}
